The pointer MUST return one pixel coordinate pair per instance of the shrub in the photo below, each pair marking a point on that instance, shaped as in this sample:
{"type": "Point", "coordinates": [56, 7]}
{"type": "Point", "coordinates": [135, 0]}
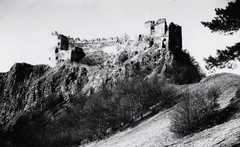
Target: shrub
{"type": "Point", "coordinates": [145, 93]}
{"type": "Point", "coordinates": [194, 112]}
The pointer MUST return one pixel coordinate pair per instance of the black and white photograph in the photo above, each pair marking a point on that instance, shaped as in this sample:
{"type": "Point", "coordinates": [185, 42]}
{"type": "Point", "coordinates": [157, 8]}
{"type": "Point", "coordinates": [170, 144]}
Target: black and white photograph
{"type": "Point", "coordinates": [119, 73]}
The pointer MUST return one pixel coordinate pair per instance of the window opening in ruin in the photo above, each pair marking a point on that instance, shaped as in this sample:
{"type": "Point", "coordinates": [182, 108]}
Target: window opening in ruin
{"type": "Point", "coordinates": [163, 43]}
{"type": "Point", "coordinates": [56, 58]}
{"type": "Point", "coordinates": [152, 29]}
{"type": "Point", "coordinates": [56, 50]}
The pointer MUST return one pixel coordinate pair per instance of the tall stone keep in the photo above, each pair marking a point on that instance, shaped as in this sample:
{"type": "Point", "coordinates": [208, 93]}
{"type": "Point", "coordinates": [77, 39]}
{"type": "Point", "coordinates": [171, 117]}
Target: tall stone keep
{"type": "Point", "coordinates": [61, 51]}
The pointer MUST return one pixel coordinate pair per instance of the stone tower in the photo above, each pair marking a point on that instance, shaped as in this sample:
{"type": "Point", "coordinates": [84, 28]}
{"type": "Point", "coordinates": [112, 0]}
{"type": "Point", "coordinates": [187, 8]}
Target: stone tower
{"type": "Point", "coordinates": [64, 50]}
{"type": "Point", "coordinates": [60, 52]}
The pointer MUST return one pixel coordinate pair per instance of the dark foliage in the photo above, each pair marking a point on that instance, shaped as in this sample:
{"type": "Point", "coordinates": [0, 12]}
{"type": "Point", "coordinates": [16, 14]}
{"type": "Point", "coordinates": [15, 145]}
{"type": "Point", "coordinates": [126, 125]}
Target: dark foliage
{"type": "Point", "coordinates": [227, 21]}
{"type": "Point", "coordinates": [184, 69]}
{"type": "Point", "coordinates": [224, 58]}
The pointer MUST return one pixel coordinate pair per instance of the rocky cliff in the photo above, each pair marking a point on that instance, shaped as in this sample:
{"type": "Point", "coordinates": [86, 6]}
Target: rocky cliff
{"type": "Point", "coordinates": [26, 88]}
{"type": "Point", "coordinates": [15, 90]}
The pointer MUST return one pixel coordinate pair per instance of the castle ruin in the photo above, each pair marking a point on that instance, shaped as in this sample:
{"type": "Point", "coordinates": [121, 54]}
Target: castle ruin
{"type": "Point", "coordinates": [168, 37]}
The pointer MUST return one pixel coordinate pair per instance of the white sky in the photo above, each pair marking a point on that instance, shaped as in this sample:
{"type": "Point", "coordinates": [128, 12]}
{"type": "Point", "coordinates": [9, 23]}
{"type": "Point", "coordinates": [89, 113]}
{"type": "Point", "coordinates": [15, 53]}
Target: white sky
{"type": "Point", "coordinates": [26, 25]}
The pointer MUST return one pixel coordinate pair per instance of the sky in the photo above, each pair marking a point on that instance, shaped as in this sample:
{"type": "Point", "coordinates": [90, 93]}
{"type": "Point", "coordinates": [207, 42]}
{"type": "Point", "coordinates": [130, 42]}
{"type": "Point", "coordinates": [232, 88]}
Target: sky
{"type": "Point", "coordinates": [26, 25]}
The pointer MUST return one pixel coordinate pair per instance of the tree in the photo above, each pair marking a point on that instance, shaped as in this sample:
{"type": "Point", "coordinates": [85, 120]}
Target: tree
{"type": "Point", "coordinates": [226, 22]}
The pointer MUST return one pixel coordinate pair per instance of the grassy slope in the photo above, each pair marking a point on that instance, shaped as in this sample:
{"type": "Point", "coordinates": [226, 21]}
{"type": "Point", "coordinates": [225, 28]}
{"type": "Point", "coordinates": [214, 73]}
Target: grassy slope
{"type": "Point", "coordinates": [155, 131]}
{"type": "Point", "coordinates": [227, 83]}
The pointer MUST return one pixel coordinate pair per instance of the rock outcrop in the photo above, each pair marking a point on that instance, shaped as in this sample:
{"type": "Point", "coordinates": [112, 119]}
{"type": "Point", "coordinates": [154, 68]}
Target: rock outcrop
{"type": "Point", "coordinates": [14, 87]}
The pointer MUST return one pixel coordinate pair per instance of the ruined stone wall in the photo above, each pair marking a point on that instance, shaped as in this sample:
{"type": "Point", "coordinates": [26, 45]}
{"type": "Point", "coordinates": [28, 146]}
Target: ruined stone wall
{"type": "Point", "coordinates": [161, 27]}
{"type": "Point", "coordinates": [95, 42]}
{"type": "Point", "coordinates": [63, 55]}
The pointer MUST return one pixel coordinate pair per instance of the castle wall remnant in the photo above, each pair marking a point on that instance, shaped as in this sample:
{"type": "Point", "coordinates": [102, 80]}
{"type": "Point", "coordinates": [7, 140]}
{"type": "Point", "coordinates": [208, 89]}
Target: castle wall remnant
{"type": "Point", "coordinates": [169, 37]}
{"type": "Point", "coordinates": [151, 25]}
